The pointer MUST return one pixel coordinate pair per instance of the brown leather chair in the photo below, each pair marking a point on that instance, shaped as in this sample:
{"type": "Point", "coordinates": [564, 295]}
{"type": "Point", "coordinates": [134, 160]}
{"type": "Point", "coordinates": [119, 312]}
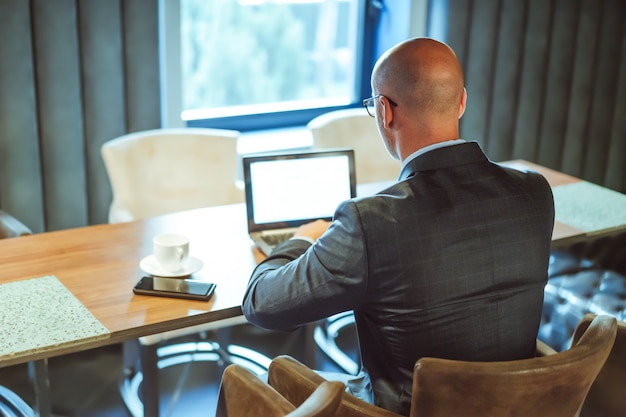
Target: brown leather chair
{"type": "Point", "coordinates": [295, 381]}
{"type": "Point", "coordinates": [243, 394]}
{"type": "Point", "coordinates": [12, 227]}
{"type": "Point", "coordinates": [553, 385]}
{"type": "Point", "coordinates": [607, 396]}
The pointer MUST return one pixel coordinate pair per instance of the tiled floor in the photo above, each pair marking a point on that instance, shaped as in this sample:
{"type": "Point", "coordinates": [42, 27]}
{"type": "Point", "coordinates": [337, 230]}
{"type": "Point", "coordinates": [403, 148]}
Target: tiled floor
{"type": "Point", "coordinates": [87, 383]}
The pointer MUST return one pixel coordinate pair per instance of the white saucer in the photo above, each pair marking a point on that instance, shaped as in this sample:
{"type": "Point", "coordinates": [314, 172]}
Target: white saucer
{"type": "Point", "coordinates": [150, 265]}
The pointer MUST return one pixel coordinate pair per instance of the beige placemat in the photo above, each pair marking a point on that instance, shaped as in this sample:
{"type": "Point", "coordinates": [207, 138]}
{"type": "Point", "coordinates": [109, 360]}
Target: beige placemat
{"type": "Point", "coordinates": [39, 313]}
{"type": "Point", "coordinates": [589, 207]}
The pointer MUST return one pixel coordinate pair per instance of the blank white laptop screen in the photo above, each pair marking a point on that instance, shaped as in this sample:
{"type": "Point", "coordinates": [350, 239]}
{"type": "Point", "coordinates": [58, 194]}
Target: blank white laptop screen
{"type": "Point", "coordinates": [294, 189]}
{"type": "Point", "coordinates": [287, 190]}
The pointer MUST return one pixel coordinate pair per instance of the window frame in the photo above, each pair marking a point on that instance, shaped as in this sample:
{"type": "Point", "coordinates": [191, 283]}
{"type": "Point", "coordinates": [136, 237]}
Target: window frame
{"type": "Point", "coordinates": [169, 15]}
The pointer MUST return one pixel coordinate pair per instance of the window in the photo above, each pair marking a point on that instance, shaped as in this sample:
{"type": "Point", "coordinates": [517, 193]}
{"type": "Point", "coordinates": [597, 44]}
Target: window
{"type": "Point", "coordinates": [251, 64]}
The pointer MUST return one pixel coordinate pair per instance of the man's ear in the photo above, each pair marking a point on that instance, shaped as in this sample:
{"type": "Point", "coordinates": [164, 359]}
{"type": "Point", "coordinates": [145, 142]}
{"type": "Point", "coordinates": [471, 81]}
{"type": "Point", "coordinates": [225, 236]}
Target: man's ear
{"type": "Point", "coordinates": [463, 103]}
{"type": "Point", "coordinates": [386, 112]}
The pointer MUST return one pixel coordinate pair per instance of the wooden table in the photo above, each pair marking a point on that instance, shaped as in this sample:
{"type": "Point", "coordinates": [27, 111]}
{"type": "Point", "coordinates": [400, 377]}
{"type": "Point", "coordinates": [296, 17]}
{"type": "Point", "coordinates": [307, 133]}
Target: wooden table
{"type": "Point", "coordinates": [583, 210]}
{"type": "Point", "coordinates": [99, 265]}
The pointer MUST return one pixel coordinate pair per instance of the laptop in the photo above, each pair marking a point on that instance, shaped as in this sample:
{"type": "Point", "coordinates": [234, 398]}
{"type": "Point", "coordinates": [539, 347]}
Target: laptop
{"type": "Point", "coordinates": [286, 190]}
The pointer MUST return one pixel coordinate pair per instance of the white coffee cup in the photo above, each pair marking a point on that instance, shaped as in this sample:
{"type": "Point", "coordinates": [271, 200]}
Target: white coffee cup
{"type": "Point", "coordinates": [171, 251]}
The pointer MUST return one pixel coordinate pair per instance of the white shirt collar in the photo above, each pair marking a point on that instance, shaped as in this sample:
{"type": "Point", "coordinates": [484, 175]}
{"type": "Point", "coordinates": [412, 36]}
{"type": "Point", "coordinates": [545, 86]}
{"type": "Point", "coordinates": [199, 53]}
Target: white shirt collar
{"type": "Point", "coordinates": [429, 148]}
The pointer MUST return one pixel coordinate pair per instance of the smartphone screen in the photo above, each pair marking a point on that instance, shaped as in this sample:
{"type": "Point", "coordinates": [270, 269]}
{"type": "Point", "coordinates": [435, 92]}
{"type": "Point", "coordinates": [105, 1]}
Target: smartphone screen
{"type": "Point", "coordinates": [175, 287]}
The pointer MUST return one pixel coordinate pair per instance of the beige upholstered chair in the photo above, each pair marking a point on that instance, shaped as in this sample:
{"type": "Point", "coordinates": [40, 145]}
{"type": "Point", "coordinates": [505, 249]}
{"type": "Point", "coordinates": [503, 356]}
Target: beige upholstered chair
{"type": "Point", "coordinates": [161, 171]}
{"type": "Point", "coordinates": [607, 396]}
{"type": "Point", "coordinates": [166, 170]}
{"type": "Point", "coordinates": [355, 129]}
{"type": "Point", "coordinates": [12, 227]}
{"type": "Point", "coordinates": [243, 394]}
{"type": "Point", "coordinates": [554, 385]}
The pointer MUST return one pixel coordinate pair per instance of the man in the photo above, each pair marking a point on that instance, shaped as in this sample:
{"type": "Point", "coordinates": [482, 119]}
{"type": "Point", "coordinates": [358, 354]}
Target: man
{"type": "Point", "coordinates": [449, 262]}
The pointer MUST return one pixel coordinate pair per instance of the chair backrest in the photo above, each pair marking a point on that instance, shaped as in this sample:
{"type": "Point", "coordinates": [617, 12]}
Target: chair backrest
{"type": "Point", "coordinates": [354, 128]}
{"type": "Point", "coordinates": [243, 394]}
{"type": "Point", "coordinates": [161, 171]}
{"type": "Point", "coordinates": [12, 405]}
{"type": "Point", "coordinates": [296, 382]}
{"type": "Point", "coordinates": [607, 396]}
{"type": "Point", "coordinates": [12, 227]}
{"type": "Point", "coordinates": [554, 385]}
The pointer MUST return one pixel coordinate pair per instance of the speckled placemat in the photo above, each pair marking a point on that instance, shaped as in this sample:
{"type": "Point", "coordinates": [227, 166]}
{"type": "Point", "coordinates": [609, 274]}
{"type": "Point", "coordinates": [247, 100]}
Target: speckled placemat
{"type": "Point", "coordinates": [38, 313]}
{"type": "Point", "coordinates": [589, 207]}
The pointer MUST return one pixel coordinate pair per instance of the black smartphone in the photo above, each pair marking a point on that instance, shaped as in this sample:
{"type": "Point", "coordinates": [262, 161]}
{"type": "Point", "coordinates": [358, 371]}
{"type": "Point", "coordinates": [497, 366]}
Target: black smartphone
{"type": "Point", "coordinates": [175, 287]}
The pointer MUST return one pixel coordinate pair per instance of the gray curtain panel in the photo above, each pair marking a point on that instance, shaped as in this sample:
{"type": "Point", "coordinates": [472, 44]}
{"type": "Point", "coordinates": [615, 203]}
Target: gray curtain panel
{"type": "Point", "coordinates": [546, 81]}
{"type": "Point", "coordinates": [73, 74]}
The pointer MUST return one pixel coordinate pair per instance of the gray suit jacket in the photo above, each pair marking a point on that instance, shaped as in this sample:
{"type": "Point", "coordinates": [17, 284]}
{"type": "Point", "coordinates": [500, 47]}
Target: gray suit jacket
{"type": "Point", "coordinates": [449, 262]}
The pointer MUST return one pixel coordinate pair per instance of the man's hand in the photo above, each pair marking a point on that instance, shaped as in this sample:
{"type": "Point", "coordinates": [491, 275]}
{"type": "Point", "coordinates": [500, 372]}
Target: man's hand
{"type": "Point", "coordinates": [312, 230]}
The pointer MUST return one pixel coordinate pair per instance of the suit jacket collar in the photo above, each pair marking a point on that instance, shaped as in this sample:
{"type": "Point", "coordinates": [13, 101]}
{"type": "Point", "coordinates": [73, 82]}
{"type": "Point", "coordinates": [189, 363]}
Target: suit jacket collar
{"type": "Point", "coordinates": [463, 153]}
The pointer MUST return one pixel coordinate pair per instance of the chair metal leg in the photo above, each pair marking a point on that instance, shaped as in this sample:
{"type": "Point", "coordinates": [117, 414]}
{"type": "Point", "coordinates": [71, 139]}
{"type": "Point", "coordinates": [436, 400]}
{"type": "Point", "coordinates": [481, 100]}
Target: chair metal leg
{"type": "Point", "coordinates": [140, 390]}
{"type": "Point", "coordinates": [38, 371]}
{"type": "Point", "coordinates": [130, 356]}
{"type": "Point", "coordinates": [325, 335]}
{"type": "Point", "coordinates": [148, 362]}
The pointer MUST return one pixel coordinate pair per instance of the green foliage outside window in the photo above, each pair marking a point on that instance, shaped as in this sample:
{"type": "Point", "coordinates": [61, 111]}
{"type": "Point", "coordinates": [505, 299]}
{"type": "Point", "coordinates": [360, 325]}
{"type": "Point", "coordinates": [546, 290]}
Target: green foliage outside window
{"type": "Point", "coordinates": [239, 53]}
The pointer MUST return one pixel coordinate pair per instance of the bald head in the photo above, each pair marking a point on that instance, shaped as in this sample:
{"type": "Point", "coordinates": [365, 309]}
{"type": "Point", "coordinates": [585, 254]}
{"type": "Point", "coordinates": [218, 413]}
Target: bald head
{"type": "Point", "coordinates": [424, 78]}
{"type": "Point", "coordinates": [421, 73]}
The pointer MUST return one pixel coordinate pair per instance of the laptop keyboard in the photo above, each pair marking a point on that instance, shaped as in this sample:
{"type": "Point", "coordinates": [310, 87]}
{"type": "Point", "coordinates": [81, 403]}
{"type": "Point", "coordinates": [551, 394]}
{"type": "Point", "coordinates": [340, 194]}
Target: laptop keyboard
{"type": "Point", "coordinates": [274, 239]}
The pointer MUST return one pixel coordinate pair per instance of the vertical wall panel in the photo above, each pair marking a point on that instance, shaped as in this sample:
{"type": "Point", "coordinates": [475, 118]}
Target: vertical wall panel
{"type": "Point", "coordinates": [558, 87]}
{"type": "Point", "coordinates": [479, 70]}
{"type": "Point", "coordinates": [616, 171]}
{"type": "Point", "coordinates": [20, 168]}
{"type": "Point", "coordinates": [604, 93]}
{"type": "Point", "coordinates": [579, 105]}
{"type": "Point", "coordinates": [60, 113]}
{"type": "Point", "coordinates": [73, 75]}
{"type": "Point", "coordinates": [533, 80]}
{"type": "Point", "coordinates": [506, 80]}
{"type": "Point", "coordinates": [458, 25]}
{"type": "Point", "coordinates": [103, 93]}
{"type": "Point", "coordinates": [141, 30]}
{"type": "Point", "coordinates": [546, 81]}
